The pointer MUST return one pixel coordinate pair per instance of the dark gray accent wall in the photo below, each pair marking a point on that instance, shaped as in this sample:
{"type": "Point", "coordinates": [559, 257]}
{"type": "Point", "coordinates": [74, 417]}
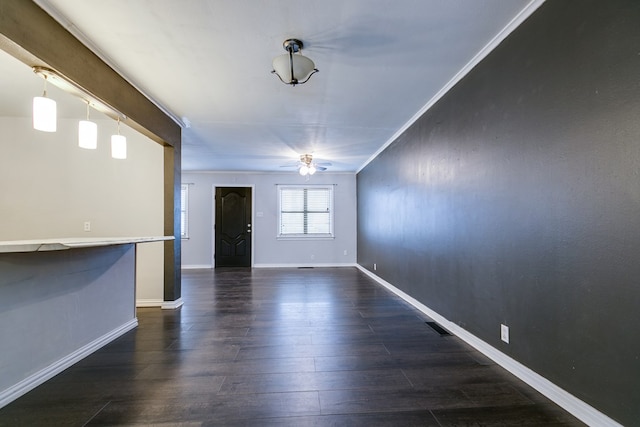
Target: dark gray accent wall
{"type": "Point", "coordinates": [516, 200]}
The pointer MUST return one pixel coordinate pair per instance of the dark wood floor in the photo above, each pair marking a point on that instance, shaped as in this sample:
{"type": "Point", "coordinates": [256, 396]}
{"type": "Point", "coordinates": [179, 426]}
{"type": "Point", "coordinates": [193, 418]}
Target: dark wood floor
{"type": "Point", "coordinates": [285, 347]}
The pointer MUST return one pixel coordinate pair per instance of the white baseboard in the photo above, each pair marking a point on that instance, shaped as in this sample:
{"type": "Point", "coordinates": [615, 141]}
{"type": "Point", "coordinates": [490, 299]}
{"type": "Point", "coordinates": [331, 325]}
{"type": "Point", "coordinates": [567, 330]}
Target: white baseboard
{"type": "Point", "coordinates": [172, 305]}
{"type": "Point", "coordinates": [579, 409]}
{"type": "Point", "coordinates": [165, 305]}
{"type": "Point", "coordinates": [196, 266]}
{"type": "Point", "coordinates": [318, 265]}
{"type": "Point", "coordinates": [12, 393]}
{"type": "Point", "coordinates": [149, 302]}
{"type": "Point", "coordinates": [296, 265]}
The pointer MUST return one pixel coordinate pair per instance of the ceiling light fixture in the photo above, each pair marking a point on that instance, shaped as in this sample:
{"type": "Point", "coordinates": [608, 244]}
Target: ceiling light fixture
{"type": "Point", "coordinates": [44, 111]}
{"type": "Point", "coordinates": [293, 69]}
{"type": "Point", "coordinates": [87, 130]}
{"type": "Point", "coordinates": [307, 168]}
{"type": "Point", "coordinates": [118, 145]}
{"type": "Point", "coordinates": [87, 133]}
{"type": "Point", "coordinates": [69, 86]}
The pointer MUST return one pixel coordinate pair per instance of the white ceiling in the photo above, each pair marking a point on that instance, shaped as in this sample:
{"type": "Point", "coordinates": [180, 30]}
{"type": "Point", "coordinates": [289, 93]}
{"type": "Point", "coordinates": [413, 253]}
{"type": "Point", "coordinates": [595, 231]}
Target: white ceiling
{"type": "Point", "coordinates": [208, 63]}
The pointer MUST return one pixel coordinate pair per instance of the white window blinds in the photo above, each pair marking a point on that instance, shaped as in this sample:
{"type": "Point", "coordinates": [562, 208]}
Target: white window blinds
{"type": "Point", "coordinates": [306, 211]}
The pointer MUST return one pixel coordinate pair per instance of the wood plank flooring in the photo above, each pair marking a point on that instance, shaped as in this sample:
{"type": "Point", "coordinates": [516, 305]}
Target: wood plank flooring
{"type": "Point", "coordinates": [284, 347]}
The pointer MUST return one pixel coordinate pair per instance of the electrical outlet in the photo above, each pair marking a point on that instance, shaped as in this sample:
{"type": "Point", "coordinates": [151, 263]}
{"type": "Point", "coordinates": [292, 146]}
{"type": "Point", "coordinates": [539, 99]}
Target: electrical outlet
{"type": "Point", "coordinates": [504, 333]}
{"type": "Point", "coordinates": [87, 226]}
{"type": "Point", "coordinates": [374, 266]}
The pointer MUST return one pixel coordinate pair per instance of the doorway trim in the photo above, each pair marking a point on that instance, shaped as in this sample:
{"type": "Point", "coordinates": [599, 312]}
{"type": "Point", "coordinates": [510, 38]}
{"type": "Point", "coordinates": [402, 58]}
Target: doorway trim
{"type": "Point", "coordinates": [213, 219]}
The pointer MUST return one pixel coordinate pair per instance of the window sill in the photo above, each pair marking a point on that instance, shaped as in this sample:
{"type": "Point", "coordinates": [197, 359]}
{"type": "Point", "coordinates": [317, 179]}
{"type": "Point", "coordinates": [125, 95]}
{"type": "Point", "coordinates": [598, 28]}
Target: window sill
{"type": "Point", "coordinates": [299, 237]}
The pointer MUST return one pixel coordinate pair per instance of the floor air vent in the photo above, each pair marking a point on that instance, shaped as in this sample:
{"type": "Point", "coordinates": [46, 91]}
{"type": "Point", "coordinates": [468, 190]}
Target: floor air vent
{"type": "Point", "coordinates": [439, 329]}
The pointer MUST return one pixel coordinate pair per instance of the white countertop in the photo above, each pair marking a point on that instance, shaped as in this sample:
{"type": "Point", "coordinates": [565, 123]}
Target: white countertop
{"type": "Point", "coordinates": [72, 242]}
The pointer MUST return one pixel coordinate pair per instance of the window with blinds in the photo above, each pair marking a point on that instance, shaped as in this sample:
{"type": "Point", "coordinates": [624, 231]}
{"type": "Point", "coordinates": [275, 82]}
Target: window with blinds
{"type": "Point", "coordinates": [184, 208]}
{"type": "Point", "coordinates": [305, 211]}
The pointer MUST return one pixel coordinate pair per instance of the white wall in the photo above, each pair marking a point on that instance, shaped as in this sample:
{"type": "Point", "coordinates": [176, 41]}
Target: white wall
{"type": "Point", "coordinates": [49, 187]}
{"type": "Point", "coordinates": [197, 251]}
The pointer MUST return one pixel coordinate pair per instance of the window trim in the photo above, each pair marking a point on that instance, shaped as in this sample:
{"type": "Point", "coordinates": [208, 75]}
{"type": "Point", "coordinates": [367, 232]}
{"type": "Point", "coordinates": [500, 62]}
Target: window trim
{"type": "Point", "coordinates": [184, 211]}
{"type": "Point", "coordinates": [314, 236]}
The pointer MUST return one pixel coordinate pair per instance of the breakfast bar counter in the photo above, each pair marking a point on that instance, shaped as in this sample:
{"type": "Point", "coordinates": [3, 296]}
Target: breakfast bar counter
{"type": "Point", "coordinates": [60, 300]}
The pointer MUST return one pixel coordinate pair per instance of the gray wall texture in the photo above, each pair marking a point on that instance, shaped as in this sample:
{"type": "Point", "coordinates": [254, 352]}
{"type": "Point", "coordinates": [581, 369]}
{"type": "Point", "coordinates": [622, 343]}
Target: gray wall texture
{"type": "Point", "coordinates": [516, 200]}
{"type": "Point", "coordinates": [56, 305]}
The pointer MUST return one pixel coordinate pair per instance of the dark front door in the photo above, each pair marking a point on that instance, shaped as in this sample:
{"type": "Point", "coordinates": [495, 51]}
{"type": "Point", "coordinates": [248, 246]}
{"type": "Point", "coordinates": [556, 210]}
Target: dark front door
{"type": "Point", "coordinates": [233, 227]}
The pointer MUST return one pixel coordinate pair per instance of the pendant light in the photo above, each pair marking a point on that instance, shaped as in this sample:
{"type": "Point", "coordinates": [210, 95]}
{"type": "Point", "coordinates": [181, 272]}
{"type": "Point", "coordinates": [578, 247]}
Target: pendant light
{"type": "Point", "coordinates": [118, 145]}
{"type": "Point", "coordinates": [44, 112]}
{"type": "Point", "coordinates": [87, 133]}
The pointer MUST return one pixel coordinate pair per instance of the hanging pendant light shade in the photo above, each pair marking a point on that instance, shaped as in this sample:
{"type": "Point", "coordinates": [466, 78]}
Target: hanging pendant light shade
{"type": "Point", "coordinates": [87, 133]}
{"type": "Point", "coordinates": [293, 69]}
{"type": "Point", "coordinates": [44, 112]}
{"type": "Point", "coordinates": [118, 145]}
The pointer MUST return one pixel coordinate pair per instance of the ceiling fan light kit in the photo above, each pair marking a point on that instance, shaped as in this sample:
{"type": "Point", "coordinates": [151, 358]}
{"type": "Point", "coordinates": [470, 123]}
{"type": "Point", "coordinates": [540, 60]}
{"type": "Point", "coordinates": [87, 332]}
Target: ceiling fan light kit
{"type": "Point", "coordinates": [293, 69]}
{"type": "Point", "coordinates": [308, 167]}
{"type": "Point", "coordinates": [307, 170]}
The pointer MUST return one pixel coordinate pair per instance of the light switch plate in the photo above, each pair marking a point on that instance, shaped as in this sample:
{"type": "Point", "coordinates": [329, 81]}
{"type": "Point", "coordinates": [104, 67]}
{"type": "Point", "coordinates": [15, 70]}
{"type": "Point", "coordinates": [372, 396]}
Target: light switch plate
{"type": "Point", "coordinates": [504, 333]}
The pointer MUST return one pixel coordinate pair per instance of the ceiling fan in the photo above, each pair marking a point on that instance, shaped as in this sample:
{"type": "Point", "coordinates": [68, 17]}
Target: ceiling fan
{"type": "Point", "coordinates": [306, 165]}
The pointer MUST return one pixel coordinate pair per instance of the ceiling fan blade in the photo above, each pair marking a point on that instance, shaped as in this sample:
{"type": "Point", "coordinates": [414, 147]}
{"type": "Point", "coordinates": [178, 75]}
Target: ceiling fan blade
{"type": "Point", "coordinates": [320, 168]}
{"type": "Point", "coordinates": [291, 165]}
{"type": "Point", "coordinates": [323, 164]}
